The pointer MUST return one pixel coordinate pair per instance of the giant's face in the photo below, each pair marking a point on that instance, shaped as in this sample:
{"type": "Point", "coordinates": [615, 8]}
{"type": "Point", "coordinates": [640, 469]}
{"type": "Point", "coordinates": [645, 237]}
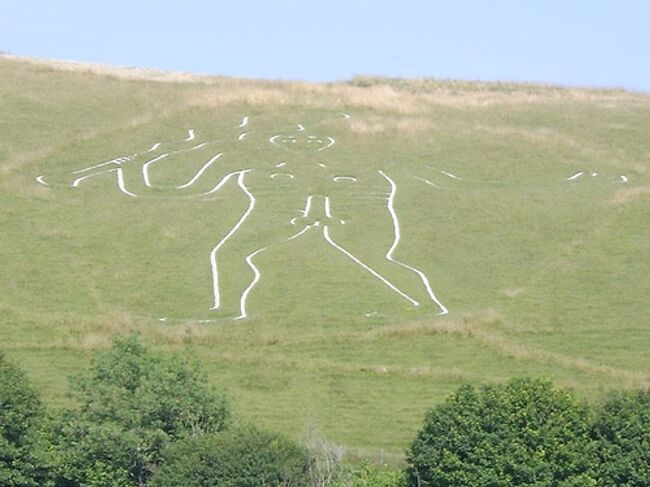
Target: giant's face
{"type": "Point", "coordinates": [302, 143]}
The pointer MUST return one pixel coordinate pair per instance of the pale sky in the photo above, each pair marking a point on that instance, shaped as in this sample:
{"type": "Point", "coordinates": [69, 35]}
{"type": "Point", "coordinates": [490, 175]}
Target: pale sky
{"type": "Point", "coordinates": [571, 42]}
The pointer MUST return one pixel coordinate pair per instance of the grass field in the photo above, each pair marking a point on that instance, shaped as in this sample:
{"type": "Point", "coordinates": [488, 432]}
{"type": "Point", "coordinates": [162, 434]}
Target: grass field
{"type": "Point", "coordinates": [542, 276]}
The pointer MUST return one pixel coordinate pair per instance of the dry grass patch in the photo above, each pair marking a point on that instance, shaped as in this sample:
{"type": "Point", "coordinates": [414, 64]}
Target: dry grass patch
{"type": "Point", "coordinates": [626, 195]}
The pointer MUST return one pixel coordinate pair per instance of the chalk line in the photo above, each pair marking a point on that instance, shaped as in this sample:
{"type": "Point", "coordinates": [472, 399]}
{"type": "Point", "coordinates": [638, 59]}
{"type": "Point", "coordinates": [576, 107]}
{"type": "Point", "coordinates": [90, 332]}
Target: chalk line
{"type": "Point", "coordinates": [625, 179]}
{"type": "Point", "coordinates": [272, 139]}
{"type": "Point", "coordinates": [322, 165]}
{"type": "Point", "coordinates": [397, 236]}
{"type": "Point", "coordinates": [345, 115]}
{"type": "Point", "coordinates": [244, 122]}
{"type": "Point", "coordinates": [145, 168]}
{"type": "Point", "coordinates": [594, 174]}
{"type": "Point", "coordinates": [154, 147]}
{"type": "Point", "coordinates": [40, 180]}
{"type": "Point", "coordinates": [117, 160]}
{"type": "Point", "coordinates": [301, 128]}
{"type": "Point", "coordinates": [190, 135]}
{"type": "Point", "coordinates": [328, 209]}
{"type": "Point", "coordinates": [198, 146]}
{"type": "Point", "coordinates": [281, 164]}
{"type": "Point", "coordinates": [241, 137]}
{"type": "Point", "coordinates": [276, 174]}
{"type": "Point", "coordinates": [332, 142]}
{"type": "Point", "coordinates": [218, 186]}
{"type": "Point", "coordinates": [343, 178]}
{"type": "Point", "coordinates": [575, 176]}
{"type": "Point", "coordinates": [77, 181]}
{"type": "Point", "coordinates": [307, 228]}
{"type": "Point", "coordinates": [307, 209]}
{"type": "Point", "coordinates": [215, 250]}
{"type": "Point", "coordinates": [304, 212]}
{"type": "Point", "coordinates": [428, 182]}
{"type": "Point", "coordinates": [200, 172]}
{"type": "Point", "coordinates": [450, 175]}
{"type": "Point", "coordinates": [120, 182]}
{"type": "Point", "coordinates": [256, 278]}
{"type": "Point", "coordinates": [329, 240]}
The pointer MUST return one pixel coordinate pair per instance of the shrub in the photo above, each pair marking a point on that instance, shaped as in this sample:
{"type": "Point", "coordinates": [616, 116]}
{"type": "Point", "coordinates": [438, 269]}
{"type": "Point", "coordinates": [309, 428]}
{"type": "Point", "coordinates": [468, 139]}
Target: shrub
{"type": "Point", "coordinates": [21, 456]}
{"type": "Point", "coordinates": [521, 433]}
{"type": "Point", "coordinates": [622, 432]}
{"type": "Point", "coordinates": [369, 475]}
{"type": "Point", "coordinates": [132, 403]}
{"type": "Point", "coordinates": [242, 457]}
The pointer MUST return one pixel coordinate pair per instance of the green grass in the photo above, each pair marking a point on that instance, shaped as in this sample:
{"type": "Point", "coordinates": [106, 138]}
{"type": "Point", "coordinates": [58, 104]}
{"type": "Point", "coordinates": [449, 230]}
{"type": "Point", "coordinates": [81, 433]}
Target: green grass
{"type": "Point", "coordinates": [543, 277]}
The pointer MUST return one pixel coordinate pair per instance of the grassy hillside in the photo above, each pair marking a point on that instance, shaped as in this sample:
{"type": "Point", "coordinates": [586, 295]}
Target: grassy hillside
{"type": "Point", "coordinates": [523, 207]}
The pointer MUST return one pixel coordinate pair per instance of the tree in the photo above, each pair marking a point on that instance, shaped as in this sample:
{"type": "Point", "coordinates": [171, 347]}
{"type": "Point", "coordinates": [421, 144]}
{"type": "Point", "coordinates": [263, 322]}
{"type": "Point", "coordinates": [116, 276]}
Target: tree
{"type": "Point", "coordinates": [521, 433]}
{"type": "Point", "coordinates": [622, 432]}
{"type": "Point", "coordinates": [241, 457]}
{"type": "Point", "coordinates": [21, 457]}
{"type": "Point", "coordinates": [132, 402]}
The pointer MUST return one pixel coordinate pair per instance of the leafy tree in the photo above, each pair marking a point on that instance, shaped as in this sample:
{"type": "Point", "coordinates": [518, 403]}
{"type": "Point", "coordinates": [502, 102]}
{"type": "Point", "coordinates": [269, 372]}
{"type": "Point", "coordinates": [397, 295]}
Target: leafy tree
{"type": "Point", "coordinates": [21, 456]}
{"type": "Point", "coordinates": [242, 457]}
{"type": "Point", "coordinates": [132, 402]}
{"type": "Point", "coordinates": [521, 433]}
{"type": "Point", "coordinates": [622, 432]}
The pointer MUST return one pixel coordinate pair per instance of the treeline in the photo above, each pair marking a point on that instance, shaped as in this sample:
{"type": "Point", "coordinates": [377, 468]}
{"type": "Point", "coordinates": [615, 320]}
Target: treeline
{"type": "Point", "coordinates": [144, 418]}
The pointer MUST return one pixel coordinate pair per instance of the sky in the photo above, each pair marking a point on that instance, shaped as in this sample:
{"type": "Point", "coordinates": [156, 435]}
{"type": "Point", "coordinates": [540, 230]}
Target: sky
{"type": "Point", "coordinates": [601, 43]}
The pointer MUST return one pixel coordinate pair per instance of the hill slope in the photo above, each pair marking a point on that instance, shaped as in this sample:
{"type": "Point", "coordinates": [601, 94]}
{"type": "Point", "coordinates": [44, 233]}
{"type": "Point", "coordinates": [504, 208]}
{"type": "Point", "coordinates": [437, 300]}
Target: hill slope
{"type": "Point", "coordinates": [306, 241]}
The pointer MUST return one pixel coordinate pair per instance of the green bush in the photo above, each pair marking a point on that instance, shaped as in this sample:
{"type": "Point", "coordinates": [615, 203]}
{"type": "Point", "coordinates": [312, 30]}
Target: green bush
{"type": "Point", "coordinates": [21, 454]}
{"type": "Point", "coordinates": [369, 475]}
{"type": "Point", "coordinates": [521, 433]}
{"type": "Point", "coordinates": [622, 432]}
{"type": "Point", "coordinates": [242, 457]}
{"type": "Point", "coordinates": [132, 402]}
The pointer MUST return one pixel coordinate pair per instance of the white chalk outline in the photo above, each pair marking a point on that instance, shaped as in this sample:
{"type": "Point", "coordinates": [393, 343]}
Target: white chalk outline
{"type": "Point", "coordinates": [575, 176]}
{"type": "Point", "coordinates": [281, 164]}
{"type": "Point", "coordinates": [117, 160]}
{"type": "Point", "coordinates": [77, 181]}
{"type": "Point", "coordinates": [276, 174]}
{"type": "Point", "coordinates": [625, 179]}
{"type": "Point", "coordinates": [256, 277]}
{"type": "Point", "coordinates": [344, 178]}
{"type": "Point", "coordinates": [328, 209]}
{"type": "Point", "coordinates": [200, 172]}
{"type": "Point", "coordinates": [296, 235]}
{"type": "Point", "coordinates": [190, 135]}
{"type": "Point", "coordinates": [322, 165]}
{"type": "Point", "coordinates": [450, 175]}
{"type": "Point", "coordinates": [244, 122]}
{"type": "Point", "coordinates": [195, 147]}
{"type": "Point", "coordinates": [241, 136]}
{"type": "Point", "coordinates": [120, 182]}
{"type": "Point", "coordinates": [396, 239]}
{"type": "Point", "coordinates": [213, 254]}
{"type": "Point", "coordinates": [332, 142]}
{"type": "Point", "coordinates": [329, 240]}
{"type": "Point", "coordinates": [40, 180]}
{"type": "Point", "coordinates": [304, 212]}
{"type": "Point", "coordinates": [345, 115]}
{"type": "Point", "coordinates": [154, 147]}
{"type": "Point", "coordinates": [428, 182]}
{"type": "Point", "coordinates": [145, 168]}
{"type": "Point", "coordinates": [301, 128]}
